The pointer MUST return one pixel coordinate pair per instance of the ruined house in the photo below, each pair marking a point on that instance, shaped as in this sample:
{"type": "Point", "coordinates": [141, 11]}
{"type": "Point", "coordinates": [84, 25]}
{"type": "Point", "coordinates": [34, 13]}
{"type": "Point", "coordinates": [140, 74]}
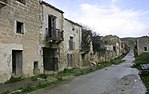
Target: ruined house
{"type": "Point", "coordinates": [142, 44]}
{"type": "Point", "coordinates": [98, 48]}
{"type": "Point", "coordinates": [125, 47]}
{"type": "Point", "coordinates": [72, 44]}
{"type": "Point", "coordinates": [19, 31]}
{"type": "Point", "coordinates": [86, 47]}
{"type": "Point", "coordinates": [113, 46]}
{"type": "Point", "coordinates": [51, 37]}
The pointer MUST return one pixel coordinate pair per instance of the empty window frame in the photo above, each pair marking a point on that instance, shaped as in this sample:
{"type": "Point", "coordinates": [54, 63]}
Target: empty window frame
{"type": "Point", "coordinates": [51, 26]}
{"type": "Point", "coordinates": [70, 59]}
{"type": "Point", "coordinates": [22, 1]}
{"type": "Point", "coordinates": [71, 44]}
{"type": "Point", "coordinates": [19, 27]}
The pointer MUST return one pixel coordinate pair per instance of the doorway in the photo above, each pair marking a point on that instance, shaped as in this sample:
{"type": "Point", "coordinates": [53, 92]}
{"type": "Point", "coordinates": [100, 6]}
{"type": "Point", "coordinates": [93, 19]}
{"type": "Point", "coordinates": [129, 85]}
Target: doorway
{"type": "Point", "coordinates": [50, 59]}
{"type": "Point", "coordinates": [36, 69]}
{"type": "Point", "coordinates": [70, 60]}
{"type": "Point", "coordinates": [17, 62]}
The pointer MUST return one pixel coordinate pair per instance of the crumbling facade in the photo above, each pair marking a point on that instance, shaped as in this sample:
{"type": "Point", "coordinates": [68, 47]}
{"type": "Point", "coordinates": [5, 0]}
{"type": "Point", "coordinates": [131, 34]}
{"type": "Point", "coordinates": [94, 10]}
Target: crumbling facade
{"type": "Point", "coordinates": [106, 48]}
{"type": "Point", "coordinates": [86, 48]}
{"type": "Point", "coordinates": [51, 37]}
{"type": "Point", "coordinates": [19, 31]}
{"type": "Point", "coordinates": [142, 45]}
{"type": "Point", "coordinates": [113, 44]}
{"type": "Point", "coordinates": [72, 44]}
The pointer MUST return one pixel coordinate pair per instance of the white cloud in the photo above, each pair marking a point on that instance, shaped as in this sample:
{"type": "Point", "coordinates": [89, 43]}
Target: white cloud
{"type": "Point", "coordinates": [112, 20]}
{"type": "Point", "coordinates": [113, 1]}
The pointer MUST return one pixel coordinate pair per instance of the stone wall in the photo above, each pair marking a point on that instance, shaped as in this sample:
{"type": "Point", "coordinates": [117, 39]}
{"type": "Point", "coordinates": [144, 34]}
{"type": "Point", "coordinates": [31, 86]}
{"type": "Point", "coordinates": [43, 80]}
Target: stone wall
{"type": "Point", "coordinates": [48, 10]}
{"type": "Point", "coordinates": [28, 14]}
{"type": "Point", "coordinates": [72, 30]}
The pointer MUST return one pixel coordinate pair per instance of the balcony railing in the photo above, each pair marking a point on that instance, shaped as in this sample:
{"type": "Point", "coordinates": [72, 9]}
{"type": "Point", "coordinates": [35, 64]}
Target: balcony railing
{"type": "Point", "coordinates": [3, 3]}
{"type": "Point", "coordinates": [71, 45]}
{"type": "Point", "coordinates": [53, 35]}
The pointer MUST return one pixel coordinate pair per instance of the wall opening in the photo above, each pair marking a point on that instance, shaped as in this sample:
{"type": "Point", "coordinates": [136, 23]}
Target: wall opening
{"type": "Point", "coordinates": [22, 1]}
{"type": "Point", "coordinates": [36, 69]}
{"type": "Point", "coordinates": [51, 26]}
{"type": "Point", "coordinates": [50, 59]}
{"type": "Point", "coordinates": [70, 59]}
{"type": "Point", "coordinates": [71, 43]}
{"type": "Point", "coordinates": [145, 48]}
{"type": "Point", "coordinates": [19, 27]}
{"type": "Point", "coordinates": [114, 48]}
{"type": "Point", "coordinates": [17, 62]}
{"type": "Point", "coordinates": [83, 59]}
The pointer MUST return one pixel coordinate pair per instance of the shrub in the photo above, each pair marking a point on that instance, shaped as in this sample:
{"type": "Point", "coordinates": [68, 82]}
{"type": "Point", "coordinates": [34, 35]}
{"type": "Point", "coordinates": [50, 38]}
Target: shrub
{"type": "Point", "coordinates": [34, 78]}
{"type": "Point", "coordinates": [44, 76]}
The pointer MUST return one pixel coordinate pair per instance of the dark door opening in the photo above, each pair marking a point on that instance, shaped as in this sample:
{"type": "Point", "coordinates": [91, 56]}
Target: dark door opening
{"type": "Point", "coordinates": [83, 59]}
{"type": "Point", "coordinates": [50, 59]}
{"type": "Point", "coordinates": [36, 69]}
{"type": "Point", "coordinates": [69, 60]}
{"type": "Point", "coordinates": [17, 62]}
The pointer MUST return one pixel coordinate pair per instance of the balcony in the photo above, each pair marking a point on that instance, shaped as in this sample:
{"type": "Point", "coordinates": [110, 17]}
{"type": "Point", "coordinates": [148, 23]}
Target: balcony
{"type": "Point", "coordinates": [3, 3]}
{"type": "Point", "coordinates": [54, 35]}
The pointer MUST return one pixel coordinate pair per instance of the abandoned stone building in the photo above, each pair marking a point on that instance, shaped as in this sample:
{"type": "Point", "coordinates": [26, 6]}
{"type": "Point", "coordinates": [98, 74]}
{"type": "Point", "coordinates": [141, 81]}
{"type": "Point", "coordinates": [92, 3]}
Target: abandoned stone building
{"type": "Point", "coordinates": [19, 31]}
{"type": "Point", "coordinates": [51, 37]}
{"type": "Point", "coordinates": [72, 44]}
{"type": "Point", "coordinates": [125, 46]}
{"type": "Point", "coordinates": [113, 44]}
{"type": "Point", "coordinates": [142, 44]}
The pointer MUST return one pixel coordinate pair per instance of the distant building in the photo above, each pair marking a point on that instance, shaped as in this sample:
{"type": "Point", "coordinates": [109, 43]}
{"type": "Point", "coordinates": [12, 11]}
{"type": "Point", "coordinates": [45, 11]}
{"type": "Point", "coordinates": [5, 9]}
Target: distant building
{"type": "Point", "coordinates": [113, 43]}
{"type": "Point", "coordinates": [142, 44]}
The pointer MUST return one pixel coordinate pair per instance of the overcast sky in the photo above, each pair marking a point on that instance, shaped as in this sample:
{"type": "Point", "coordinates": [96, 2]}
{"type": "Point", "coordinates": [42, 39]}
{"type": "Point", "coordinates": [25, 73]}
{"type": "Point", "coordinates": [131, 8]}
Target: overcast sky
{"type": "Point", "coordinates": [124, 18]}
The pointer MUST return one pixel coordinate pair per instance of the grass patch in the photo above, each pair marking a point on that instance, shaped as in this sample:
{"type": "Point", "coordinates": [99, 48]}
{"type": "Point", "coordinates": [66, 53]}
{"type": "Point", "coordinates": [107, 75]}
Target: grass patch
{"type": "Point", "coordinates": [66, 72]}
{"type": "Point", "coordinates": [39, 86]}
{"type": "Point", "coordinates": [145, 80]}
{"type": "Point", "coordinates": [13, 80]}
{"type": "Point", "coordinates": [7, 92]}
{"type": "Point", "coordinates": [143, 59]}
{"type": "Point", "coordinates": [44, 76]}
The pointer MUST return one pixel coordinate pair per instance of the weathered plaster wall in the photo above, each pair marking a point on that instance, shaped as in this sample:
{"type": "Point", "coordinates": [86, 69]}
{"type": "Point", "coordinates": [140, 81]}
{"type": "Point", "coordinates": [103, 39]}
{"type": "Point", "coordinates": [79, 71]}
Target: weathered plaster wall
{"type": "Point", "coordinates": [28, 42]}
{"type": "Point", "coordinates": [72, 30]}
{"type": "Point", "coordinates": [6, 60]}
{"type": "Point", "coordinates": [46, 11]}
{"type": "Point", "coordinates": [141, 43]}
